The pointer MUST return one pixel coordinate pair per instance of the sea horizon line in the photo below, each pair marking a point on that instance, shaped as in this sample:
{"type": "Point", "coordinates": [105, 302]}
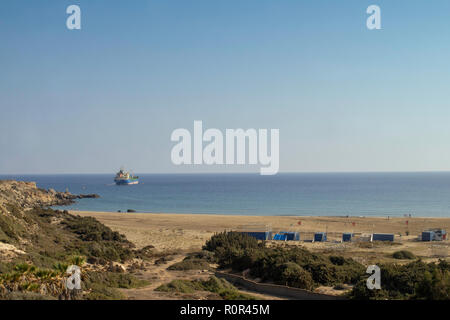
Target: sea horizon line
{"type": "Point", "coordinates": [223, 173]}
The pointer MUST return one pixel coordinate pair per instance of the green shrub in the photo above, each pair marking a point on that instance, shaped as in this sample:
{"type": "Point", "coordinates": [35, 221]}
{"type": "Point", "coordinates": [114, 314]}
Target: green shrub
{"type": "Point", "coordinates": [145, 253]}
{"type": "Point", "coordinates": [230, 239]}
{"type": "Point", "coordinates": [337, 260]}
{"type": "Point", "coordinates": [72, 236]}
{"type": "Point", "coordinates": [20, 295]}
{"type": "Point", "coordinates": [203, 255]}
{"type": "Point", "coordinates": [268, 266]}
{"type": "Point", "coordinates": [45, 274]}
{"type": "Point", "coordinates": [416, 280]}
{"type": "Point", "coordinates": [215, 285]}
{"type": "Point", "coordinates": [294, 266]}
{"type": "Point", "coordinates": [33, 287]}
{"type": "Point", "coordinates": [90, 229]}
{"type": "Point", "coordinates": [228, 246]}
{"type": "Point", "coordinates": [182, 286]}
{"type": "Point", "coordinates": [61, 267]}
{"type": "Point", "coordinates": [435, 285]}
{"type": "Point", "coordinates": [190, 264]}
{"type": "Point", "coordinates": [5, 267]}
{"type": "Point", "coordinates": [112, 279]}
{"type": "Point", "coordinates": [295, 276]}
{"type": "Point", "coordinates": [78, 260]}
{"type": "Point", "coordinates": [24, 268]}
{"type": "Point", "coordinates": [103, 292]}
{"type": "Point", "coordinates": [404, 254]}
{"type": "Point", "coordinates": [223, 288]}
{"type": "Point", "coordinates": [10, 231]}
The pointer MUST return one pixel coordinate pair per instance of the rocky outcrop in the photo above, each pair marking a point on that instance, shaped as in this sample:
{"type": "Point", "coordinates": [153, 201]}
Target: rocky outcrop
{"type": "Point", "coordinates": [37, 244]}
{"type": "Point", "coordinates": [28, 195]}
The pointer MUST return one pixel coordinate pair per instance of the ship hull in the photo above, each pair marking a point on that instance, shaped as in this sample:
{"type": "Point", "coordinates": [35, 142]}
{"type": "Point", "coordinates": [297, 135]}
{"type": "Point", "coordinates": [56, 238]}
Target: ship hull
{"type": "Point", "coordinates": [126, 181]}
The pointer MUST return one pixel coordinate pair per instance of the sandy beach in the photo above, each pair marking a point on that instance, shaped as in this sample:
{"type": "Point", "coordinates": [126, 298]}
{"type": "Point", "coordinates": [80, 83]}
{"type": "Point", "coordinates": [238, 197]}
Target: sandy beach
{"type": "Point", "coordinates": [188, 232]}
{"type": "Point", "coordinates": [178, 234]}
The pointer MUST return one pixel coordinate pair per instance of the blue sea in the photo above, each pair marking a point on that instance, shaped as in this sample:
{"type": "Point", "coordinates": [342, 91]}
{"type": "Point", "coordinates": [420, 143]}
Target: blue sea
{"type": "Point", "coordinates": [331, 194]}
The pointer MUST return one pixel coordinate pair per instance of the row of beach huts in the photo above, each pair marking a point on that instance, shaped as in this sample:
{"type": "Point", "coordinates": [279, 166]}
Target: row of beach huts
{"type": "Point", "coordinates": [428, 235]}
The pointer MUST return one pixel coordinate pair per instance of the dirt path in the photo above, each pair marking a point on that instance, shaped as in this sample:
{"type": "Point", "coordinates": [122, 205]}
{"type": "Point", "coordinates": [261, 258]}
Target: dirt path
{"type": "Point", "coordinates": [189, 232]}
{"type": "Point", "coordinates": [158, 275]}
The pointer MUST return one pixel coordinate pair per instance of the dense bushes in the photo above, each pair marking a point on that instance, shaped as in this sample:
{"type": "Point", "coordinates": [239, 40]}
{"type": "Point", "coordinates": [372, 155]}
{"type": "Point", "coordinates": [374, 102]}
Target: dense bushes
{"type": "Point", "coordinates": [52, 240]}
{"type": "Point", "coordinates": [203, 255]}
{"type": "Point", "coordinates": [416, 280]}
{"type": "Point", "coordinates": [224, 289]}
{"type": "Point", "coordinates": [9, 230]}
{"type": "Point", "coordinates": [178, 285]}
{"type": "Point", "coordinates": [97, 240]}
{"type": "Point", "coordinates": [113, 279]}
{"type": "Point", "coordinates": [195, 261]}
{"type": "Point", "coordinates": [77, 235]}
{"type": "Point", "coordinates": [49, 236]}
{"type": "Point", "coordinates": [25, 281]}
{"type": "Point", "coordinates": [215, 285]}
{"type": "Point", "coordinates": [190, 264]}
{"type": "Point", "coordinates": [230, 246]}
{"type": "Point", "coordinates": [293, 266]}
{"type": "Point", "coordinates": [270, 266]}
{"type": "Point", "coordinates": [298, 267]}
{"type": "Point", "coordinates": [227, 240]}
{"type": "Point", "coordinates": [296, 276]}
{"type": "Point", "coordinates": [435, 285]}
{"type": "Point", "coordinates": [90, 229]}
{"type": "Point", "coordinates": [403, 254]}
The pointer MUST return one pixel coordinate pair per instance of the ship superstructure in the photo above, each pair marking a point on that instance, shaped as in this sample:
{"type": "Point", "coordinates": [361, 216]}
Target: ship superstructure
{"type": "Point", "coordinates": [125, 177]}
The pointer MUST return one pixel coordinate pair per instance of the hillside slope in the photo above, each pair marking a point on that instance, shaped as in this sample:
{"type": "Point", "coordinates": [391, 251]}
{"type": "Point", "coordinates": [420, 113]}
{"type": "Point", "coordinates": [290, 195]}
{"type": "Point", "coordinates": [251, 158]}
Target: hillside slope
{"type": "Point", "coordinates": [36, 240]}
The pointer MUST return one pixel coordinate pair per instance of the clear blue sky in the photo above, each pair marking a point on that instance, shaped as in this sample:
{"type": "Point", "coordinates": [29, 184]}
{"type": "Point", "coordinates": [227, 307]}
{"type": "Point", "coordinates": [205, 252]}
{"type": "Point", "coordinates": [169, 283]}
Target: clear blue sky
{"type": "Point", "coordinates": [344, 98]}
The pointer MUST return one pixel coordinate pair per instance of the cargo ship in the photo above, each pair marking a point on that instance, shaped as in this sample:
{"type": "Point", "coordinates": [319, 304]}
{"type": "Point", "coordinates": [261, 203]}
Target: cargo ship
{"type": "Point", "coordinates": [125, 178]}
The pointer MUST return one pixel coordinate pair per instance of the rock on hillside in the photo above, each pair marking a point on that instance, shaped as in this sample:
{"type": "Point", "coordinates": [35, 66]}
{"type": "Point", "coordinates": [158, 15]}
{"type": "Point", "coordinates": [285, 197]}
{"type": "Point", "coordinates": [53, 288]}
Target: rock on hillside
{"type": "Point", "coordinates": [38, 243]}
{"type": "Point", "coordinates": [28, 195]}
{"type": "Point", "coordinates": [27, 226]}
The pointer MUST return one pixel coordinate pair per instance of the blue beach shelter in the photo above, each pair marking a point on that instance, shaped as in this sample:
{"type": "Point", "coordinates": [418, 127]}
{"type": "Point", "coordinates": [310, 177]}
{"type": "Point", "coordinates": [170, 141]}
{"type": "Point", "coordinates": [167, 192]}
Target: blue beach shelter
{"type": "Point", "coordinates": [347, 237]}
{"type": "Point", "coordinates": [291, 235]}
{"type": "Point", "coordinates": [320, 237]}
{"type": "Point", "coordinates": [280, 237]}
{"type": "Point", "coordinates": [383, 237]}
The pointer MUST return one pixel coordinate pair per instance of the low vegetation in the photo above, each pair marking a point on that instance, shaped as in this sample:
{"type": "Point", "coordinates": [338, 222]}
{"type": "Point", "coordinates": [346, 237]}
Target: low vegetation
{"type": "Point", "coordinates": [292, 266]}
{"type": "Point", "coordinates": [195, 261]}
{"type": "Point", "coordinates": [298, 267]}
{"type": "Point", "coordinates": [377, 244]}
{"type": "Point", "coordinates": [190, 264]}
{"type": "Point", "coordinates": [25, 281]}
{"type": "Point", "coordinates": [103, 285]}
{"type": "Point", "coordinates": [51, 240]}
{"type": "Point", "coordinates": [416, 280]}
{"type": "Point", "coordinates": [221, 287]}
{"type": "Point", "coordinates": [404, 254]}
{"type": "Point", "coordinates": [54, 235]}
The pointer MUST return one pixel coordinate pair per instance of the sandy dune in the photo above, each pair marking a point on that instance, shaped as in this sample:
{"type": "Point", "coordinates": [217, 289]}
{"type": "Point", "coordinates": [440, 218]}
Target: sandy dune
{"type": "Point", "coordinates": [189, 232]}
